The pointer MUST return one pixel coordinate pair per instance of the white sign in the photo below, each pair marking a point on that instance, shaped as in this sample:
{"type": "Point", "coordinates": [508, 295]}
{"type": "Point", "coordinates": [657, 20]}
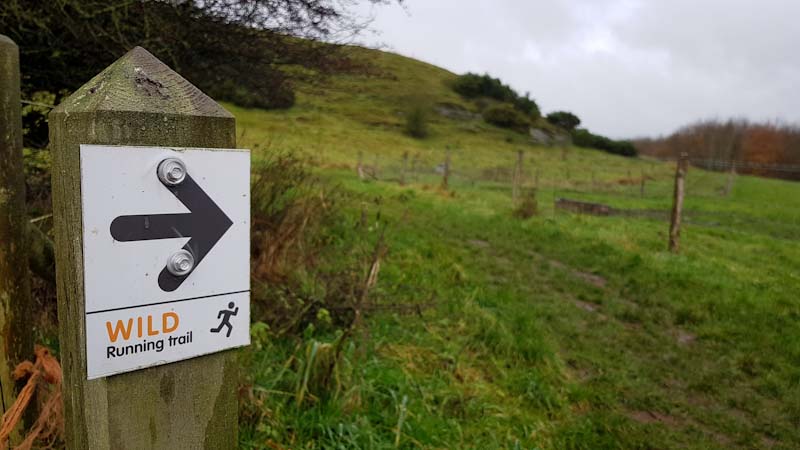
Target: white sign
{"type": "Point", "coordinates": [166, 252]}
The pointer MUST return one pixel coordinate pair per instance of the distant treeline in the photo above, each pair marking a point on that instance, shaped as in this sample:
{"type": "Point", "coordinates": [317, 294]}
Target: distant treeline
{"type": "Point", "coordinates": [766, 149]}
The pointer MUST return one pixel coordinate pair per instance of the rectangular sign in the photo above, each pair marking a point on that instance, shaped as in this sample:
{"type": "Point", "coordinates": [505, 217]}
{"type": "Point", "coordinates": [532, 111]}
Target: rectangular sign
{"type": "Point", "coordinates": [166, 252]}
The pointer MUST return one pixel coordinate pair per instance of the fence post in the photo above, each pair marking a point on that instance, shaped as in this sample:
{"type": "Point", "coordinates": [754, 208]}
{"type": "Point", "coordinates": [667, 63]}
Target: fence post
{"type": "Point", "coordinates": [403, 169]}
{"type": "Point", "coordinates": [446, 171]}
{"type": "Point", "coordinates": [536, 181]}
{"type": "Point", "coordinates": [641, 185]}
{"type": "Point", "coordinates": [677, 203]}
{"type": "Point", "coordinates": [16, 337]}
{"type": "Point", "coordinates": [360, 165]}
{"type": "Point", "coordinates": [189, 404]}
{"type": "Point", "coordinates": [516, 177]}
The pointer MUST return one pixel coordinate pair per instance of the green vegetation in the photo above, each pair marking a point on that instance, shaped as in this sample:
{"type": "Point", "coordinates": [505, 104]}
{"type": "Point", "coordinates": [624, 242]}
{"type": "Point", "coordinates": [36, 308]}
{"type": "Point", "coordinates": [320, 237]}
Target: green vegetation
{"type": "Point", "coordinates": [417, 121]}
{"type": "Point", "coordinates": [583, 138]}
{"type": "Point", "coordinates": [475, 86]}
{"type": "Point", "coordinates": [564, 119]}
{"type": "Point", "coordinates": [483, 330]}
{"type": "Point", "coordinates": [506, 116]}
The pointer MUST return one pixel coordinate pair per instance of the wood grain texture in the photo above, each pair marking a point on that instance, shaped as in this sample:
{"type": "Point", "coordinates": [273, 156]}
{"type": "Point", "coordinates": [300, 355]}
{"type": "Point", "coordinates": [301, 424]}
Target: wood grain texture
{"type": "Point", "coordinates": [16, 331]}
{"type": "Point", "coordinates": [185, 405]}
{"type": "Point", "coordinates": [681, 168]}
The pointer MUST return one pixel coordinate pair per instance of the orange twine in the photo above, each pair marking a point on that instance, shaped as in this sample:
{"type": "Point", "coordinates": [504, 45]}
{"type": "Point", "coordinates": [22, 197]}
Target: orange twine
{"type": "Point", "coordinates": [49, 426]}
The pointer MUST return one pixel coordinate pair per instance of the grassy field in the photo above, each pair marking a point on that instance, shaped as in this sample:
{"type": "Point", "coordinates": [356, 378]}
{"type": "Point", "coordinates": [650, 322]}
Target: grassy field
{"type": "Point", "coordinates": [557, 331]}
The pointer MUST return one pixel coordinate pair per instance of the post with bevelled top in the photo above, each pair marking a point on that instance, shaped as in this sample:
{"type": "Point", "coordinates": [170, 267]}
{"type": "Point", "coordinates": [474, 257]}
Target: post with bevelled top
{"type": "Point", "coordinates": [191, 404]}
{"type": "Point", "coordinates": [15, 297]}
{"type": "Point", "coordinates": [681, 168]}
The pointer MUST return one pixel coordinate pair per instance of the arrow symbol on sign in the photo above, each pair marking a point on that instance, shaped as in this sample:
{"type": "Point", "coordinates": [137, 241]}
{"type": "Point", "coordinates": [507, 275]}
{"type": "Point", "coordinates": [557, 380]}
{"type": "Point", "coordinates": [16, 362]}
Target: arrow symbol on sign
{"type": "Point", "coordinates": [205, 224]}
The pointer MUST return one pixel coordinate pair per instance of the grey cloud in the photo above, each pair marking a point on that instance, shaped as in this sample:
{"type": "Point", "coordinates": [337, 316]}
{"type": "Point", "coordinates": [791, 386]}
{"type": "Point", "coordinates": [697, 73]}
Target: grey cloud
{"type": "Point", "coordinates": [626, 67]}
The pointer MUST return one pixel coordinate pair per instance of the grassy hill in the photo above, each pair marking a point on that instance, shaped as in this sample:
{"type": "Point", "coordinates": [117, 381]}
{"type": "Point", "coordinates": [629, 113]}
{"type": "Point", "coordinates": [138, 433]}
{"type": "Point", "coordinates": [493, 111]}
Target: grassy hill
{"type": "Point", "coordinates": [556, 331]}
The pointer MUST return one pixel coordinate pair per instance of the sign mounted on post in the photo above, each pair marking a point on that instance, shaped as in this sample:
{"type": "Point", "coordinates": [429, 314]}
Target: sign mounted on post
{"type": "Point", "coordinates": [166, 248]}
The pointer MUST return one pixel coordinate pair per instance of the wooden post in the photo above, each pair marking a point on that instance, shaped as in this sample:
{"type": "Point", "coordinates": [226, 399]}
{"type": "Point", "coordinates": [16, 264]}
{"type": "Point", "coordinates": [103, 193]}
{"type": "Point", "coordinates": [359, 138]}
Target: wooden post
{"type": "Point", "coordinates": [16, 323]}
{"type": "Point", "coordinates": [516, 177]}
{"type": "Point", "coordinates": [403, 169]}
{"type": "Point", "coordinates": [190, 404]}
{"type": "Point", "coordinates": [446, 172]}
{"type": "Point", "coordinates": [414, 161]}
{"type": "Point", "coordinates": [360, 165]}
{"type": "Point", "coordinates": [536, 181]}
{"type": "Point", "coordinates": [375, 167]}
{"type": "Point", "coordinates": [677, 203]}
{"type": "Point", "coordinates": [641, 185]}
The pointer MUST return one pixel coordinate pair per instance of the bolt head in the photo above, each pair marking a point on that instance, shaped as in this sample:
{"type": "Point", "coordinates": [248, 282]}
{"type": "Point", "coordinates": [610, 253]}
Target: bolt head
{"type": "Point", "coordinates": [180, 263]}
{"type": "Point", "coordinates": [171, 171]}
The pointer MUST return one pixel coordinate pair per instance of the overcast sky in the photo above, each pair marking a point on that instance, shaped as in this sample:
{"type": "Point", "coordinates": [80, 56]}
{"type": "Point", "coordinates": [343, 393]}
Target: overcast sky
{"type": "Point", "coordinates": [625, 67]}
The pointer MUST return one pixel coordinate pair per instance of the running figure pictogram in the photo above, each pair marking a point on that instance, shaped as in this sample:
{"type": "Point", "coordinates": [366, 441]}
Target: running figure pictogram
{"type": "Point", "coordinates": [226, 314]}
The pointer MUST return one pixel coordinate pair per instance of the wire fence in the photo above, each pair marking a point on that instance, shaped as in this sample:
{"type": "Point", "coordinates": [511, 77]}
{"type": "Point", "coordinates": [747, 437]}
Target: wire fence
{"type": "Point", "coordinates": [642, 189]}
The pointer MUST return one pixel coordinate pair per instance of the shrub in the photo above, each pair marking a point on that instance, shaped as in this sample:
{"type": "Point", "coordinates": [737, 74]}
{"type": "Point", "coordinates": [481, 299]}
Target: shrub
{"type": "Point", "coordinates": [306, 256]}
{"type": "Point", "coordinates": [506, 116]}
{"type": "Point", "coordinates": [471, 85]}
{"type": "Point", "coordinates": [583, 138]}
{"type": "Point", "coordinates": [528, 207]}
{"type": "Point", "coordinates": [417, 122]}
{"type": "Point", "coordinates": [564, 119]}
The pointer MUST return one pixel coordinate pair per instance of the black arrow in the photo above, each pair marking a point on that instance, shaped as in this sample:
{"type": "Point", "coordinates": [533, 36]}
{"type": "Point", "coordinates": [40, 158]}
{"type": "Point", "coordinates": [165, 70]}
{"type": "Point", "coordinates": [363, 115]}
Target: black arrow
{"type": "Point", "coordinates": [204, 224]}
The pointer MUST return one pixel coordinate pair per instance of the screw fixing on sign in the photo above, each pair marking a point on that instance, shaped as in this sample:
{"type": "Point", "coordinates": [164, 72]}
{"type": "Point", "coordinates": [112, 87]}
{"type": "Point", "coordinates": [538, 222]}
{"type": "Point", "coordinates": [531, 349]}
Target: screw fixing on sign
{"type": "Point", "coordinates": [180, 263]}
{"type": "Point", "coordinates": [171, 171]}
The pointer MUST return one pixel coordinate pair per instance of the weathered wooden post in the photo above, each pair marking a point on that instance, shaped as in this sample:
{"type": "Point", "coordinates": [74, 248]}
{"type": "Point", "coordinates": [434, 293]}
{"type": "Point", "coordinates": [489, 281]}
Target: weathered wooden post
{"type": "Point", "coordinates": [414, 162]}
{"type": "Point", "coordinates": [446, 168]}
{"type": "Point", "coordinates": [536, 181]}
{"type": "Point", "coordinates": [98, 174]}
{"type": "Point", "coordinates": [403, 169]}
{"type": "Point", "coordinates": [641, 185]}
{"type": "Point", "coordinates": [16, 323]}
{"type": "Point", "coordinates": [516, 178]}
{"type": "Point", "coordinates": [360, 165]}
{"type": "Point", "coordinates": [677, 203]}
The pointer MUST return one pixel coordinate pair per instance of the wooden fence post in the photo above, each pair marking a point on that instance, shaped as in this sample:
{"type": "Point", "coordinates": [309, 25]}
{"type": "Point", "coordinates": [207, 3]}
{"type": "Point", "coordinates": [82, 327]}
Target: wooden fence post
{"type": "Point", "coordinates": [536, 181]}
{"type": "Point", "coordinates": [641, 185]}
{"type": "Point", "coordinates": [516, 177]}
{"type": "Point", "coordinates": [677, 203]}
{"type": "Point", "coordinates": [403, 169]}
{"type": "Point", "coordinates": [16, 323]}
{"type": "Point", "coordinates": [190, 404]}
{"type": "Point", "coordinates": [446, 171]}
{"type": "Point", "coordinates": [360, 165]}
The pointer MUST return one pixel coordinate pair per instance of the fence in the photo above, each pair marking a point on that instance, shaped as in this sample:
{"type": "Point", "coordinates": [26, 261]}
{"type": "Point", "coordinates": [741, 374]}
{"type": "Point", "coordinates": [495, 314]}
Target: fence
{"type": "Point", "coordinates": [641, 188]}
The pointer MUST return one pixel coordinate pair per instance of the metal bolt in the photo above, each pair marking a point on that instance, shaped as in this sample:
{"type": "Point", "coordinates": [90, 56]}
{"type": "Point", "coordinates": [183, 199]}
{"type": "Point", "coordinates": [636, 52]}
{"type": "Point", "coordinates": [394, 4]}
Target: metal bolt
{"type": "Point", "coordinates": [180, 263]}
{"type": "Point", "coordinates": [171, 171]}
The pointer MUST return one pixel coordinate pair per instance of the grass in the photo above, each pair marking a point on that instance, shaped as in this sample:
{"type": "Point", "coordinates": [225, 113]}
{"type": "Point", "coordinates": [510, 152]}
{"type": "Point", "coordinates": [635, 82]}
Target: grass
{"type": "Point", "coordinates": [560, 331]}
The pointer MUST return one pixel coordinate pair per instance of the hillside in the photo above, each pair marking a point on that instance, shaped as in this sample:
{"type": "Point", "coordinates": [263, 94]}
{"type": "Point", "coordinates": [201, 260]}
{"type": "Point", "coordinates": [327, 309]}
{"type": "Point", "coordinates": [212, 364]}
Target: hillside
{"type": "Point", "coordinates": [556, 331]}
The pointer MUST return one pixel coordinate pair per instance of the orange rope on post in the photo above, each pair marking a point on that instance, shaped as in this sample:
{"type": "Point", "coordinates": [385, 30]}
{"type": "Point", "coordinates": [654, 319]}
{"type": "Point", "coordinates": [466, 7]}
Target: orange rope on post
{"type": "Point", "coordinates": [44, 377]}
